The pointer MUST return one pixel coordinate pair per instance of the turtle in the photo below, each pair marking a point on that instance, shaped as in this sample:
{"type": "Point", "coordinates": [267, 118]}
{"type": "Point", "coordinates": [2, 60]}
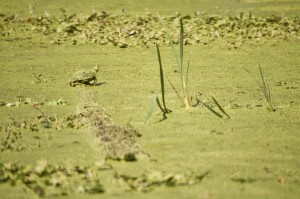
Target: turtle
{"type": "Point", "coordinates": [84, 76]}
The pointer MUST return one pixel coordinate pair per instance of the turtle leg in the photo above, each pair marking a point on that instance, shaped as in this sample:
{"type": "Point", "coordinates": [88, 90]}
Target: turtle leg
{"type": "Point", "coordinates": [95, 81]}
{"type": "Point", "coordinates": [92, 81]}
{"type": "Point", "coordinates": [73, 84]}
{"type": "Point", "coordinates": [76, 83]}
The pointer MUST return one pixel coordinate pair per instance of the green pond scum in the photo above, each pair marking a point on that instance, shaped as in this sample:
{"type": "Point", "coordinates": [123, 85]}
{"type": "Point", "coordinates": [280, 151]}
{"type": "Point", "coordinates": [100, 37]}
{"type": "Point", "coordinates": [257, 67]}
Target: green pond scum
{"type": "Point", "coordinates": [69, 133]}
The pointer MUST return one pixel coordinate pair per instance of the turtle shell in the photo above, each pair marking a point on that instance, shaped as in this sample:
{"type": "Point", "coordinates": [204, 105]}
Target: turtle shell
{"type": "Point", "coordinates": [83, 77]}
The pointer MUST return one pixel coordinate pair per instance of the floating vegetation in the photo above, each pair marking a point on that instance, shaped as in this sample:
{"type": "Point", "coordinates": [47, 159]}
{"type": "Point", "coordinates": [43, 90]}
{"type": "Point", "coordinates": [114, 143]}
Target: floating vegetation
{"type": "Point", "coordinates": [46, 179]}
{"type": "Point", "coordinates": [28, 101]}
{"type": "Point", "coordinates": [12, 140]}
{"type": "Point", "coordinates": [12, 133]}
{"type": "Point", "coordinates": [124, 30]}
{"type": "Point", "coordinates": [117, 142]}
{"type": "Point", "coordinates": [148, 180]}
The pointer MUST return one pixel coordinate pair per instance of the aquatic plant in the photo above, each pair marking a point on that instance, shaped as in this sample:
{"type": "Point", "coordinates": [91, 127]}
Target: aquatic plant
{"type": "Point", "coordinates": [211, 109]}
{"type": "Point", "coordinates": [179, 61]}
{"type": "Point", "coordinates": [184, 97]}
{"type": "Point", "coordinates": [162, 84]}
{"type": "Point", "coordinates": [155, 99]}
{"type": "Point", "coordinates": [264, 87]}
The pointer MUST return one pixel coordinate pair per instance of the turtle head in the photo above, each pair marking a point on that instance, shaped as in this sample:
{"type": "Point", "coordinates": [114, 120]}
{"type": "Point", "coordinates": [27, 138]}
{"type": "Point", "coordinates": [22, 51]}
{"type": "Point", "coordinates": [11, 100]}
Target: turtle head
{"type": "Point", "coordinates": [96, 68]}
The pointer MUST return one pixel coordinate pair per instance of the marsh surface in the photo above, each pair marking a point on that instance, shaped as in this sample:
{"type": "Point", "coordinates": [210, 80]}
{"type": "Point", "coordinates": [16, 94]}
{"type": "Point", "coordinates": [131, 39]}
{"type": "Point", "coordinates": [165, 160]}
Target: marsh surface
{"type": "Point", "coordinates": [50, 143]}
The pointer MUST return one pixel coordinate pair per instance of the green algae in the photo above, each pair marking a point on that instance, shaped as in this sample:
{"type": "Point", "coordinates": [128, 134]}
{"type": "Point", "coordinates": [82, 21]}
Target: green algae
{"type": "Point", "coordinates": [255, 154]}
{"type": "Point", "coordinates": [189, 139]}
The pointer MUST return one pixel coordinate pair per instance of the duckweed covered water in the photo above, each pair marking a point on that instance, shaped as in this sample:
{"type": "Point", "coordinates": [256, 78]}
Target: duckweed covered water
{"type": "Point", "coordinates": [46, 151]}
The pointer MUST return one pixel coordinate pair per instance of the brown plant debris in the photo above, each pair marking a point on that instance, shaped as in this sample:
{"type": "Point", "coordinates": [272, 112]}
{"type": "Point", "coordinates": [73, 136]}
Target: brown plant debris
{"type": "Point", "coordinates": [125, 30]}
{"type": "Point", "coordinates": [119, 142]}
